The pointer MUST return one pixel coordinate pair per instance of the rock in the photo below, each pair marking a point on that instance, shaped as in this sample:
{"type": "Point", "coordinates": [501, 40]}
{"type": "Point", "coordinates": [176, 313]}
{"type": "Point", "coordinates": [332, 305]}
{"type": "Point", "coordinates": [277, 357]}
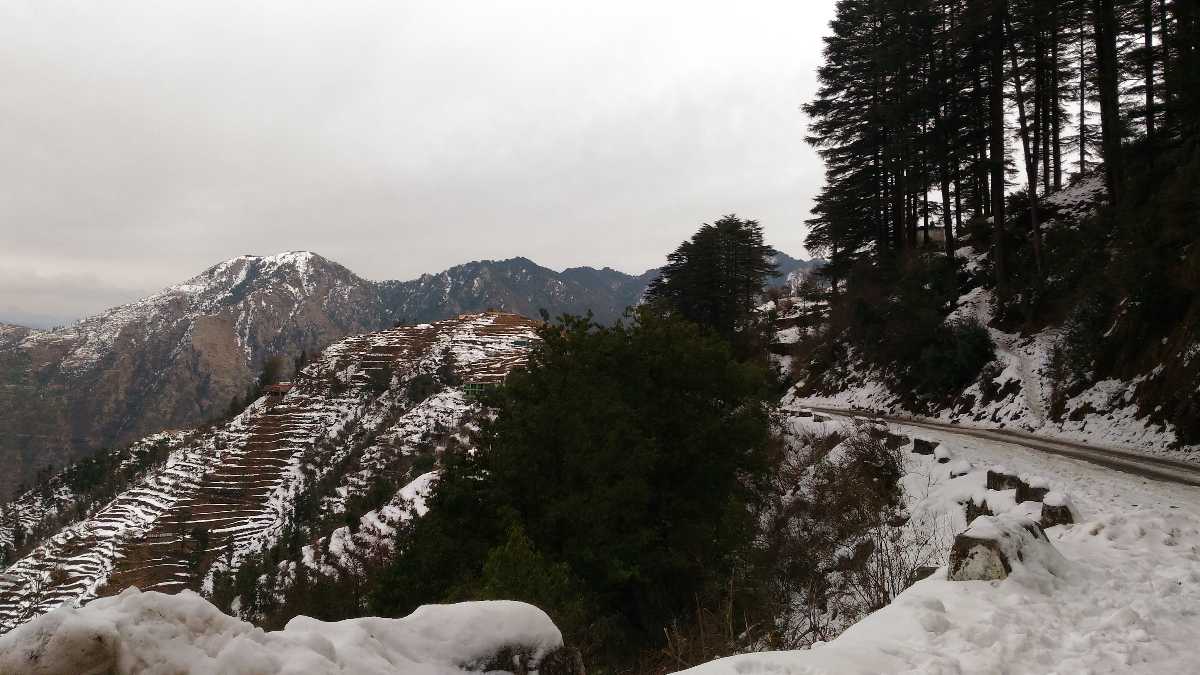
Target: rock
{"type": "Point", "coordinates": [820, 418]}
{"type": "Point", "coordinates": [923, 447]}
{"type": "Point", "coordinates": [993, 546]}
{"type": "Point", "coordinates": [895, 441]}
{"type": "Point", "coordinates": [972, 510]}
{"type": "Point", "coordinates": [804, 413]}
{"type": "Point", "coordinates": [941, 454]}
{"type": "Point", "coordinates": [1056, 510]}
{"type": "Point", "coordinates": [973, 559]}
{"type": "Point", "coordinates": [1025, 493]}
{"type": "Point", "coordinates": [1033, 490]}
{"type": "Point", "coordinates": [999, 479]}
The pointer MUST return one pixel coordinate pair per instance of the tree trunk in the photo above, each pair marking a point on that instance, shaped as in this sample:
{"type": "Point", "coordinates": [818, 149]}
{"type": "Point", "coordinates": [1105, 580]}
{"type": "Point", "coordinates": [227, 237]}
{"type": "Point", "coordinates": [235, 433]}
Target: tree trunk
{"type": "Point", "coordinates": [1055, 100]}
{"type": "Point", "coordinates": [1105, 25]}
{"type": "Point", "coordinates": [1148, 43]}
{"type": "Point", "coordinates": [996, 105]}
{"type": "Point", "coordinates": [1031, 159]}
{"type": "Point", "coordinates": [1163, 37]}
{"type": "Point", "coordinates": [1082, 102]}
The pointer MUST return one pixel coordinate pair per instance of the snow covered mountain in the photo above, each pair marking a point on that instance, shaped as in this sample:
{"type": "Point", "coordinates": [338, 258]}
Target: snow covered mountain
{"type": "Point", "coordinates": [360, 426]}
{"type": "Point", "coordinates": [169, 360]}
{"type": "Point", "coordinates": [178, 357]}
{"type": "Point", "coordinates": [516, 285]}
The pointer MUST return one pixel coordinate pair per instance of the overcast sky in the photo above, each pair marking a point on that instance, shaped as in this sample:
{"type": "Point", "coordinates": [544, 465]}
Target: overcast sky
{"type": "Point", "coordinates": [144, 141]}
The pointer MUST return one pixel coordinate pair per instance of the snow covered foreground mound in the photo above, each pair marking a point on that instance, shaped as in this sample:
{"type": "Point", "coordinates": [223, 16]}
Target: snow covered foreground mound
{"type": "Point", "coordinates": [156, 634]}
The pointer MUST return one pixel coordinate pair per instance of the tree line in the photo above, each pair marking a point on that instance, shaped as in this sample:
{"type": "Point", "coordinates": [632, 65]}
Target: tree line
{"type": "Point", "coordinates": [916, 98]}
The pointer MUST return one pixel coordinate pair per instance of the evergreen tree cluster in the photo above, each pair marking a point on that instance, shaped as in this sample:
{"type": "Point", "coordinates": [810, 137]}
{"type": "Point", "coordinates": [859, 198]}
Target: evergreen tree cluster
{"type": "Point", "coordinates": [916, 100]}
{"type": "Point", "coordinates": [714, 278]}
{"type": "Point", "coordinates": [613, 488]}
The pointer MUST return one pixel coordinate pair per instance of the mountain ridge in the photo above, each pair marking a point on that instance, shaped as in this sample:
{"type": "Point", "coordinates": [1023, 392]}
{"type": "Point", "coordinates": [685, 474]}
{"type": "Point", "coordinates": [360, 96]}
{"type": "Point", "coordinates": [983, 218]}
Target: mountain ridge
{"type": "Point", "coordinates": [184, 354]}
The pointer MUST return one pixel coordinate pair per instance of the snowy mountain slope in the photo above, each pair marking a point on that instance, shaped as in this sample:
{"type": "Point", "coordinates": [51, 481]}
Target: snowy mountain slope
{"type": "Point", "coordinates": [516, 285]}
{"type": "Point", "coordinates": [1122, 601]}
{"type": "Point", "coordinates": [232, 491]}
{"type": "Point", "coordinates": [169, 360]}
{"type": "Point", "coordinates": [1016, 393]}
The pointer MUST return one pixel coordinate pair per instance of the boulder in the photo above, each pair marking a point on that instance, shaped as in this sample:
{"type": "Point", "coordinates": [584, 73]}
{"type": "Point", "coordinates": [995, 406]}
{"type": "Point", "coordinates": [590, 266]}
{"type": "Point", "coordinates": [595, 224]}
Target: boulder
{"type": "Point", "coordinates": [1033, 490]}
{"type": "Point", "coordinates": [999, 479]}
{"type": "Point", "coordinates": [923, 447]}
{"type": "Point", "coordinates": [895, 441]}
{"type": "Point", "coordinates": [993, 546]}
{"type": "Point", "coordinates": [942, 455]}
{"type": "Point", "coordinates": [1056, 510]}
{"type": "Point", "coordinates": [819, 418]}
{"type": "Point", "coordinates": [804, 413]}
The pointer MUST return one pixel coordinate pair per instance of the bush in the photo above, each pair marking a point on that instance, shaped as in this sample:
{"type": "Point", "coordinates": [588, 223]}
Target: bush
{"type": "Point", "coordinates": [950, 362]}
{"type": "Point", "coordinates": [895, 319]}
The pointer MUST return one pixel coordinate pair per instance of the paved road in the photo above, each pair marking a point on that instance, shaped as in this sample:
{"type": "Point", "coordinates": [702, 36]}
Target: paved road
{"type": "Point", "coordinates": [1155, 468]}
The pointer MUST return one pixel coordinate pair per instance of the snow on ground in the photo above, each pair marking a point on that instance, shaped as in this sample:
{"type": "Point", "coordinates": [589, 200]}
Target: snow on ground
{"type": "Point", "coordinates": [1126, 600]}
{"type": "Point", "coordinates": [1077, 200]}
{"type": "Point", "coordinates": [157, 634]}
{"type": "Point", "coordinates": [1105, 414]}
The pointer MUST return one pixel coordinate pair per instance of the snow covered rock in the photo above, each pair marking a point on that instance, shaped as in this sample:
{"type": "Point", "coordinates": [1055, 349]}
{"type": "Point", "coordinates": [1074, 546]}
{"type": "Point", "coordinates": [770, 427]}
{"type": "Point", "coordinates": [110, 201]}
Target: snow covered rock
{"type": "Point", "coordinates": [998, 478]}
{"type": "Point", "coordinates": [1034, 489]}
{"type": "Point", "coordinates": [1057, 509]}
{"type": "Point", "coordinates": [157, 634]}
{"type": "Point", "coordinates": [993, 545]}
{"type": "Point", "coordinates": [923, 447]}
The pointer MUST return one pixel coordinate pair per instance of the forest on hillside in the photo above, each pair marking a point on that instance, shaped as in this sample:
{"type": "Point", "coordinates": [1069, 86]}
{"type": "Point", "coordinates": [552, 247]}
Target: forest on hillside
{"type": "Point", "coordinates": [946, 124]}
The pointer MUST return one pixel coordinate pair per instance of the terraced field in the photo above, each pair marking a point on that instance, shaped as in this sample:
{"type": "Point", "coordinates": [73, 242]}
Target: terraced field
{"type": "Point", "coordinates": [230, 491]}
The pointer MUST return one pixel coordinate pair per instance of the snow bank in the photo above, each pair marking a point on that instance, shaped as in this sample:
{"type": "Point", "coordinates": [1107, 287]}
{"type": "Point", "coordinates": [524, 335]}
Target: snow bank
{"type": "Point", "coordinates": [1119, 596]}
{"type": "Point", "coordinates": [156, 634]}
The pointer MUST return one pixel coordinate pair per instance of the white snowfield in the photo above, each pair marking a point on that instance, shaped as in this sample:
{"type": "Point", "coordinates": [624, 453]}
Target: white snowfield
{"type": "Point", "coordinates": [1124, 597]}
{"type": "Point", "coordinates": [155, 634]}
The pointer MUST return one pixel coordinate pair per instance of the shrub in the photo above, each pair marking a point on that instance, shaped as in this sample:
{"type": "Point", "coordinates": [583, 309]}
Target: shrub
{"type": "Point", "coordinates": [952, 360]}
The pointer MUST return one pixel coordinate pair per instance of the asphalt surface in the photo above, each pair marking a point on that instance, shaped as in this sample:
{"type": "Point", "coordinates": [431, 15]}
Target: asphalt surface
{"type": "Point", "coordinates": [1146, 466]}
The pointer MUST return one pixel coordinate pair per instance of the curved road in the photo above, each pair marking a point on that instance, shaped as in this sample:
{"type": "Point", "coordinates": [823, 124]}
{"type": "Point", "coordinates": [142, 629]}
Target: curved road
{"type": "Point", "coordinates": [1155, 468]}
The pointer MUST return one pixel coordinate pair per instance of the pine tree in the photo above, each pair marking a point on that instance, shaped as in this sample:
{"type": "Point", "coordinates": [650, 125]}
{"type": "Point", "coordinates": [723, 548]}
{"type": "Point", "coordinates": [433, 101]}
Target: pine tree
{"type": "Point", "coordinates": [714, 278]}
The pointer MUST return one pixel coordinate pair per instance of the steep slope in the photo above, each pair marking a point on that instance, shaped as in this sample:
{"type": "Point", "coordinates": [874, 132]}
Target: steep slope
{"type": "Point", "coordinates": [170, 360]}
{"type": "Point", "coordinates": [221, 495]}
{"type": "Point", "coordinates": [1126, 404]}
